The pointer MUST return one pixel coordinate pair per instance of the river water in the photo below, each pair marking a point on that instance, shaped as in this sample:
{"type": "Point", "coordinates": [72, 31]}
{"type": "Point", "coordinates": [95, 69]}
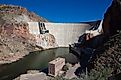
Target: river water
{"type": "Point", "coordinates": [36, 60]}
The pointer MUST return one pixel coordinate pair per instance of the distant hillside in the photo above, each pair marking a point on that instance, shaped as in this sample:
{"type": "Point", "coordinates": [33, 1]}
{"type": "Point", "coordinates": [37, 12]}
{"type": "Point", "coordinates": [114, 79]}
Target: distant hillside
{"type": "Point", "coordinates": [92, 23]}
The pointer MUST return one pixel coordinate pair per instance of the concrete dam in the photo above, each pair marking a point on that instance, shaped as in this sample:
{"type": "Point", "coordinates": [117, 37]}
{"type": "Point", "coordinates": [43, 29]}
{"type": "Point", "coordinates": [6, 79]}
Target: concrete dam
{"type": "Point", "coordinates": [64, 33]}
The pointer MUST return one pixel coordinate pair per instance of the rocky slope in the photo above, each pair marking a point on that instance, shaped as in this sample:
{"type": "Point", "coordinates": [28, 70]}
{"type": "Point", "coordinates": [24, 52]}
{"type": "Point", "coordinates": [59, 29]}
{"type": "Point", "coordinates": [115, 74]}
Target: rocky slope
{"type": "Point", "coordinates": [15, 39]}
{"type": "Point", "coordinates": [112, 18]}
{"type": "Point", "coordinates": [107, 64]}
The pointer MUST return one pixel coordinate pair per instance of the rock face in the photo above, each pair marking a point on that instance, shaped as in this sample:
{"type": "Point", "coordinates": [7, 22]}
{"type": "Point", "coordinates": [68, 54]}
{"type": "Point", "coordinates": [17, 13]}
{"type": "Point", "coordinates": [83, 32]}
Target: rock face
{"type": "Point", "coordinates": [15, 39]}
{"type": "Point", "coordinates": [107, 62]}
{"type": "Point", "coordinates": [16, 14]}
{"type": "Point", "coordinates": [46, 41]}
{"type": "Point", "coordinates": [112, 18]}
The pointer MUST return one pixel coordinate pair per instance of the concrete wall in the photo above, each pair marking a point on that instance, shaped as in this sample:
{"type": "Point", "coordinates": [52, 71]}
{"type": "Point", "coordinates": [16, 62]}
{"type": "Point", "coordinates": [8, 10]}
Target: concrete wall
{"type": "Point", "coordinates": [64, 33]}
{"type": "Point", "coordinates": [34, 28]}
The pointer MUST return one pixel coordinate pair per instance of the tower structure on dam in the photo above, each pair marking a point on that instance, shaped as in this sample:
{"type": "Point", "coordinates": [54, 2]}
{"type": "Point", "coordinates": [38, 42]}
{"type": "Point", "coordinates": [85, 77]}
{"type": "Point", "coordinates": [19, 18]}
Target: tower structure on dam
{"type": "Point", "coordinates": [64, 33]}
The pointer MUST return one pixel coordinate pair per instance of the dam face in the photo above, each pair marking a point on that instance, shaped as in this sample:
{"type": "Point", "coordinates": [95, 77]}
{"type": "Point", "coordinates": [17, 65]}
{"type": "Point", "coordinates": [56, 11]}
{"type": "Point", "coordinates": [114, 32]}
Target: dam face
{"type": "Point", "coordinates": [64, 33]}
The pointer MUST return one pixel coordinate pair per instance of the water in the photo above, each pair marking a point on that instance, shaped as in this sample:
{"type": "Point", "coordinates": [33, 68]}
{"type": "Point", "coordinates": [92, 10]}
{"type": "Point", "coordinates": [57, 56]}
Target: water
{"type": "Point", "coordinates": [37, 60]}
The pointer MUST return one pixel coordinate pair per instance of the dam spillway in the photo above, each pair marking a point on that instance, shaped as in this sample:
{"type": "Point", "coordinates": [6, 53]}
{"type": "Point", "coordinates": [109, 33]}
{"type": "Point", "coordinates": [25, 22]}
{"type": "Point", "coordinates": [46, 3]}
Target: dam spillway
{"type": "Point", "coordinates": [64, 33]}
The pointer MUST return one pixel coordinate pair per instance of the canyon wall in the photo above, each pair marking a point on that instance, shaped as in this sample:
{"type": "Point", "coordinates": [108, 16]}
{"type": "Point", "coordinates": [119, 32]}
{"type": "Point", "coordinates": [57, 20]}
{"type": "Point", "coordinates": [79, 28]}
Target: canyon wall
{"type": "Point", "coordinates": [108, 59]}
{"type": "Point", "coordinates": [15, 38]}
{"type": "Point", "coordinates": [112, 18]}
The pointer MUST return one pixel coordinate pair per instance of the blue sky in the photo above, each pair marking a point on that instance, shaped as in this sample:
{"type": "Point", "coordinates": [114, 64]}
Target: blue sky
{"type": "Point", "coordinates": [64, 10]}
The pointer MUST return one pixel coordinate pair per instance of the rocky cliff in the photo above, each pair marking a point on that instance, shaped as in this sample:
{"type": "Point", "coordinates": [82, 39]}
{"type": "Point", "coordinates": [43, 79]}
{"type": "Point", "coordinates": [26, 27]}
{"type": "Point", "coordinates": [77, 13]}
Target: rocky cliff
{"type": "Point", "coordinates": [15, 39]}
{"type": "Point", "coordinates": [107, 64]}
{"type": "Point", "coordinates": [112, 18]}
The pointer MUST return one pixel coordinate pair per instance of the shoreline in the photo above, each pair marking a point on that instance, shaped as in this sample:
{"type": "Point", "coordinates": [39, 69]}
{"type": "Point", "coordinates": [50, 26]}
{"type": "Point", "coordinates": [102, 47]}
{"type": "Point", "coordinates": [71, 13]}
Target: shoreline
{"type": "Point", "coordinates": [13, 57]}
